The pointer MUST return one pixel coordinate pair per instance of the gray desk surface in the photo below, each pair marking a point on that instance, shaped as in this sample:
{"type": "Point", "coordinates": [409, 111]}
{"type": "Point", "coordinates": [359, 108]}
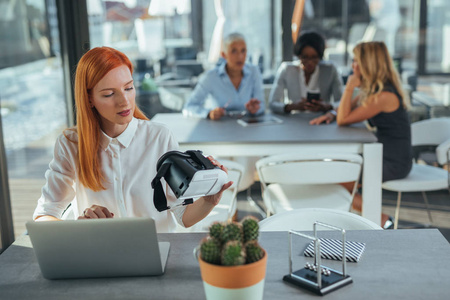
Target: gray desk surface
{"type": "Point", "coordinates": [294, 129]}
{"type": "Point", "coordinates": [400, 264]}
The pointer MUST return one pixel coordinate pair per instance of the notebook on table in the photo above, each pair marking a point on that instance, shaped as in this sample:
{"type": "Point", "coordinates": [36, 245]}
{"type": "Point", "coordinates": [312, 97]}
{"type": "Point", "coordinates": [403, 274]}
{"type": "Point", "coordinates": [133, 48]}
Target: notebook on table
{"type": "Point", "coordinates": [332, 249]}
{"type": "Point", "coordinates": [259, 120]}
{"type": "Point", "coordinates": [98, 248]}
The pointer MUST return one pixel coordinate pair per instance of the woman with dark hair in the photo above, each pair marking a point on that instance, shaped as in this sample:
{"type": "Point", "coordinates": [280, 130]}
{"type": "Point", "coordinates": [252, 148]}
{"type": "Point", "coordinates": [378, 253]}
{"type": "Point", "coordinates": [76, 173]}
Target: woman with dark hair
{"type": "Point", "coordinates": [105, 164]}
{"type": "Point", "coordinates": [308, 75]}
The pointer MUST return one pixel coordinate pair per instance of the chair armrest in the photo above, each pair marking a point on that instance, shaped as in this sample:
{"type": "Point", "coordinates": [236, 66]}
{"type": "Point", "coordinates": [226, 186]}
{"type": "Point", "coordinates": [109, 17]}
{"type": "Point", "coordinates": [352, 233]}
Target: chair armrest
{"type": "Point", "coordinates": [442, 152]}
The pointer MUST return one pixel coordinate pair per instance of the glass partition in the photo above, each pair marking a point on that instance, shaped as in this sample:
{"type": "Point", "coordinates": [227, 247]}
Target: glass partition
{"type": "Point", "coordinates": [157, 37]}
{"type": "Point", "coordinates": [438, 37]}
{"type": "Point", "coordinates": [169, 51]}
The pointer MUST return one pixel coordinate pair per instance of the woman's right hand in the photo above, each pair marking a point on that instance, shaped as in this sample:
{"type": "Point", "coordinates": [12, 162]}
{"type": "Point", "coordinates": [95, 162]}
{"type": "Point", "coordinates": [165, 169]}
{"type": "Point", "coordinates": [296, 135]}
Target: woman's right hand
{"type": "Point", "coordinates": [214, 199]}
{"type": "Point", "coordinates": [217, 113]}
{"type": "Point", "coordinates": [300, 105]}
{"type": "Point", "coordinates": [253, 105]}
{"type": "Point", "coordinates": [96, 212]}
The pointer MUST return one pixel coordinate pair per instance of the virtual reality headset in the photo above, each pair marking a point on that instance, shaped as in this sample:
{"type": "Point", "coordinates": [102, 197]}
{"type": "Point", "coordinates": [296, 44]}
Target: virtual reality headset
{"type": "Point", "coordinates": [189, 174]}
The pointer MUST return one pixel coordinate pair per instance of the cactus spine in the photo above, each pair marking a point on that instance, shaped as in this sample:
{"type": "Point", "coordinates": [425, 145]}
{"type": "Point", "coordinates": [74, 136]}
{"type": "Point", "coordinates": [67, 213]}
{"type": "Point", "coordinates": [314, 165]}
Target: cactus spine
{"type": "Point", "coordinates": [254, 251]}
{"type": "Point", "coordinates": [233, 254]}
{"type": "Point", "coordinates": [232, 232]}
{"type": "Point", "coordinates": [250, 228]}
{"type": "Point", "coordinates": [210, 250]}
{"type": "Point", "coordinates": [215, 230]}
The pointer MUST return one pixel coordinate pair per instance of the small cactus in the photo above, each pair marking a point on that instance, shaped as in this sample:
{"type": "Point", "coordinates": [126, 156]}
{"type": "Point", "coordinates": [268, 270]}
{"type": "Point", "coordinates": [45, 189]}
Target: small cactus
{"type": "Point", "coordinates": [232, 232]}
{"type": "Point", "coordinates": [254, 251]}
{"type": "Point", "coordinates": [233, 254]}
{"type": "Point", "coordinates": [215, 230]}
{"type": "Point", "coordinates": [210, 250]}
{"type": "Point", "coordinates": [232, 243]}
{"type": "Point", "coordinates": [250, 228]}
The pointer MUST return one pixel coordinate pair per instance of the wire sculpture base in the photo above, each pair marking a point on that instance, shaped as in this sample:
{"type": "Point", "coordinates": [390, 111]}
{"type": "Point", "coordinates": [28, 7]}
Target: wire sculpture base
{"type": "Point", "coordinates": [307, 279]}
{"type": "Point", "coordinates": [317, 277]}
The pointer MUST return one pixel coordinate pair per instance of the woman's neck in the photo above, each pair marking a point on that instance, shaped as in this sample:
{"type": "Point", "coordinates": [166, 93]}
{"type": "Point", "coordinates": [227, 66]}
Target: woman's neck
{"type": "Point", "coordinates": [308, 75]}
{"type": "Point", "coordinates": [113, 130]}
{"type": "Point", "coordinates": [235, 76]}
{"type": "Point", "coordinates": [233, 73]}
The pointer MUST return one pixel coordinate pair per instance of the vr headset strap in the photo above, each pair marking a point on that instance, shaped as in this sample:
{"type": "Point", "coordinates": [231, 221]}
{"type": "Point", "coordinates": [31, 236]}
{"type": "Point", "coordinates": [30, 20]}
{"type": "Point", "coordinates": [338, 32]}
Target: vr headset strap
{"type": "Point", "coordinates": [198, 157]}
{"type": "Point", "coordinates": [159, 197]}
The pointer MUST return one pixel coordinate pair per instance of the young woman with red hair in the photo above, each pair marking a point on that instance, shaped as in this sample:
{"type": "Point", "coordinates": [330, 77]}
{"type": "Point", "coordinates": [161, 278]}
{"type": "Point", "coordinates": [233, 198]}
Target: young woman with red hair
{"type": "Point", "coordinates": [104, 166]}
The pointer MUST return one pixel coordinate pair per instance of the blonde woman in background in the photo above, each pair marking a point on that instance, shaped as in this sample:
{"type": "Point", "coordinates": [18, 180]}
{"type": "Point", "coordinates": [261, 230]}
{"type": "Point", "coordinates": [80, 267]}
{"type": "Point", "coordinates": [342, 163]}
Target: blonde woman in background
{"type": "Point", "coordinates": [383, 103]}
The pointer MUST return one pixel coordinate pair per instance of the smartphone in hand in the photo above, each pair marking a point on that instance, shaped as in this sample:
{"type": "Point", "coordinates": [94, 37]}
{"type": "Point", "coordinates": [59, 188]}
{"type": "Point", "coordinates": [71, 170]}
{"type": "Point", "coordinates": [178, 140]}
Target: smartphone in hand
{"type": "Point", "coordinates": [312, 96]}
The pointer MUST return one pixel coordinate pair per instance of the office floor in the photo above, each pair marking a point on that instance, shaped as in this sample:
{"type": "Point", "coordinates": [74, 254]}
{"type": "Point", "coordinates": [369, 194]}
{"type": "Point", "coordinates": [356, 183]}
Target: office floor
{"type": "Point", "coordinates": [413, 212]}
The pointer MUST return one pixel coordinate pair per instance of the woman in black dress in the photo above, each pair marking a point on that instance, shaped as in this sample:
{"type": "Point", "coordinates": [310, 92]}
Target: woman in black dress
{"type": "Point", "coordinates": [382, 102]}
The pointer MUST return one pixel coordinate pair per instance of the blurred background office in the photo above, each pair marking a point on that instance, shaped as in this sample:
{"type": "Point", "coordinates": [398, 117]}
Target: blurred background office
{"type": "Point", "coordinates": [171, 42]}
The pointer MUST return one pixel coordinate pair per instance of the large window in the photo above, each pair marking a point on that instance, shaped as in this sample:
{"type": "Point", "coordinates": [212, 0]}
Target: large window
{"type": "Point", "coordinates": [253, 21]}
{"type": "Point", "coordinates": [29, 32]}
{"type": "Point", "coordinates": [33, 108]}
{"type": "Point", "coordinates": [158, 38]}
{"type": "Point", "coordinates": [438, 37]}
{"type": "Point", "coordinates": [344, 23]}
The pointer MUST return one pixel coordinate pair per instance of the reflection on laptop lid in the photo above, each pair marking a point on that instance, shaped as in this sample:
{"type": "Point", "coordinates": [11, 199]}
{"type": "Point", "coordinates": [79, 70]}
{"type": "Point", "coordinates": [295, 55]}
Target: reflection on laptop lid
{"type": "Point", "coordinates": [98, 248]}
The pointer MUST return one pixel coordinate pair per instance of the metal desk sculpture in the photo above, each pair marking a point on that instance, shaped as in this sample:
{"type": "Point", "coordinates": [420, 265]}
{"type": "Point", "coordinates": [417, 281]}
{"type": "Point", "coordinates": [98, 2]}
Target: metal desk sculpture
{"type": "Point", "coordinates": [316, 277]}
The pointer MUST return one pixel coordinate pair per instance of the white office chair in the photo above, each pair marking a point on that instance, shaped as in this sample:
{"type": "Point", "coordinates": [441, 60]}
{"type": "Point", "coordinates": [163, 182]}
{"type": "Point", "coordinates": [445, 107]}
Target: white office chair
{"type": "Point", "coordinates": [423, 178]}
{"type": "Point", "coordinates": [443, 157]}
{"type": "Point", "coordinates": [247, 178]}
{"type": "Point", "coordinates": [306, 179]}
{"type": "Point", "coordinates": [304, 218]}
{"type": "Point", "coordinates": [226, 208]}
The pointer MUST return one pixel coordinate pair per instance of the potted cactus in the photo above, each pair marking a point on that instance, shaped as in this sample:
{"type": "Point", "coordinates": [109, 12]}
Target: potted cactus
{"type": "Point", "coordinates": [232, 263]}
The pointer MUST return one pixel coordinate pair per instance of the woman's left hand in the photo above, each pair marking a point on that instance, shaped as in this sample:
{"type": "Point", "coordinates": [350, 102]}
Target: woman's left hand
{"type": "Point", "coordinates": [215, 199]}
{"type": "Point", "coordinates": [325, 118]}
{"type": "Point", "coordinates": [253, 105]}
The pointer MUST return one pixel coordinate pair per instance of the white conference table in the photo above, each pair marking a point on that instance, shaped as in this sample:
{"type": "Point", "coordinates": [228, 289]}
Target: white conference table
{"type": "Point", "coordinates": [226, 137]}
{"type": "Point", "coordinates": [396, 264]}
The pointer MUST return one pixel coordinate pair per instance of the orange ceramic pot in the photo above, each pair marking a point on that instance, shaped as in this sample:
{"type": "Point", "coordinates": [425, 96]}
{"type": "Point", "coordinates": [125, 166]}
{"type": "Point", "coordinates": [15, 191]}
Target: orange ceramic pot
{"type": "Point", "coordinates": [234, 282]}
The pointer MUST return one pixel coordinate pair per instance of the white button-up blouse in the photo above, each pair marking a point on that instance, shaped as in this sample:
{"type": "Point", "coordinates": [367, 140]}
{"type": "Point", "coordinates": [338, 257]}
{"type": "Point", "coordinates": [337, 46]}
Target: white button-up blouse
{"type": "Point", "coordinates": [128, 164]}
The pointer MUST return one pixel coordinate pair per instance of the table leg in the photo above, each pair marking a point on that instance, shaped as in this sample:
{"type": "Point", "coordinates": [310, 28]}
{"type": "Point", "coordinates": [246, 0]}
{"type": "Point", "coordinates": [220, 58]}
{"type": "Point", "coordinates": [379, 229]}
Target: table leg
{"type": "Point", "coordinates": [371, 181]}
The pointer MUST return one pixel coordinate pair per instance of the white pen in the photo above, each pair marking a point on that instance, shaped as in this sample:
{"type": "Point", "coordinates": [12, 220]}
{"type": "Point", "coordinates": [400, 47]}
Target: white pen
{"type": "Point", "coordinates": [226, 104]}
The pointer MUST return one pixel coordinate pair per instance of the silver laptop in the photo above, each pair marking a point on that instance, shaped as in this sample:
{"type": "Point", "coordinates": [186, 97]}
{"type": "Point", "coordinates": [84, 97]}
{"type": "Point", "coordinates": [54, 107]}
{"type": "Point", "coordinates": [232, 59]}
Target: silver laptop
{"type": "Point", "coordinates": [98, 248]}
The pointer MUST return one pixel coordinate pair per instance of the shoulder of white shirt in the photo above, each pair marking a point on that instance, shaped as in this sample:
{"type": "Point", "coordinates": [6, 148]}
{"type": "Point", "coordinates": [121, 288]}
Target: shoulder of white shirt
{"type": "Point", "coordinates": [153, 125]}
